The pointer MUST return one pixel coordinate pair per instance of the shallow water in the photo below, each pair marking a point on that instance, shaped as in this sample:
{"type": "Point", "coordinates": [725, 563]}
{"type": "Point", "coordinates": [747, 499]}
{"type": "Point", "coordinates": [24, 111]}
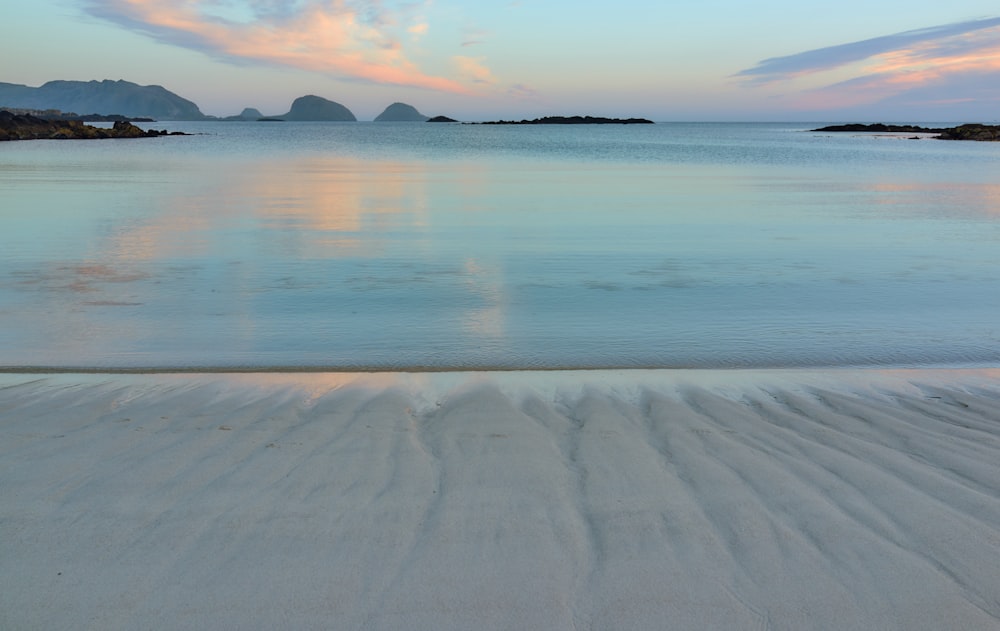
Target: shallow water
{"type": "Point", "coordinates": [364, 245]}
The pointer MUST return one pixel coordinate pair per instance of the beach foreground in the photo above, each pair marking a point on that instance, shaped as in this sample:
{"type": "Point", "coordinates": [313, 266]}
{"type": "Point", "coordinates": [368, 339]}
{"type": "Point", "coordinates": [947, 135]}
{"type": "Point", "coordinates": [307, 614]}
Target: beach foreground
{"type": "Point", "coordinates": [836, 499]}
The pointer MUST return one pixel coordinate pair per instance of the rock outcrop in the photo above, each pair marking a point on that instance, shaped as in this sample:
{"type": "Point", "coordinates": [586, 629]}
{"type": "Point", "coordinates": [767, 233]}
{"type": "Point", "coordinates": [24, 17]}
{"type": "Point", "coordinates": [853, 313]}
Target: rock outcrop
{"type": "Point", "coordinates": [101, 97]}
{"type": "Point", "coordinates": [402, 113]}
{"type": "Point", "coordinates": [316, 108]}
{"type": "Point", "coordinates": [882, 128]}
{"type": "Point", "coordinates": [27, 127]}
{"type": "Point", "coordinates": [441, 119]}
{"type": "Point", "coordinates": [972, 131]}
{"type": "Point", "coordinates": [574, 120]}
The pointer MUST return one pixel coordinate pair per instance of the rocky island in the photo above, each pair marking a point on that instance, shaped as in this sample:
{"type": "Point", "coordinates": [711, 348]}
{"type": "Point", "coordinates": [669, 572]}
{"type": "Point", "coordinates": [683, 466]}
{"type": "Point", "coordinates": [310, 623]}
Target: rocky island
{"type": "Point", "coordinates": [28, 127]}
{"type": "Point", "coordinates": [573, 120]}
{"type": "Point", "coordinates": [316, 108]}
{"type": "Point", "coordinates": [401, 113]}
{"type": "Point", "coordinates": [970, 131]}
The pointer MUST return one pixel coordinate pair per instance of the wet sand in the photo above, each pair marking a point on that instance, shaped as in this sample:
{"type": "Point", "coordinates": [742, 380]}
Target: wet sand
{"type": "Point", "coordinates": [817, 499]}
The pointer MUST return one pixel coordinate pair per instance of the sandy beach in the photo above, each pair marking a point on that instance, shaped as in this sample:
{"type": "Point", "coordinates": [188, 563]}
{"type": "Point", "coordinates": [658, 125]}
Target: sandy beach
{"type": "Point", "coordinates": [765, 499]}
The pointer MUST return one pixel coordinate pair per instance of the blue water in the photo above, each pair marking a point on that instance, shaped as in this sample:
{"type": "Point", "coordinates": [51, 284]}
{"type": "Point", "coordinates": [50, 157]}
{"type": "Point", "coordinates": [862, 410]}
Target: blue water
{"type": "Point", "coordinates": [395, 246]}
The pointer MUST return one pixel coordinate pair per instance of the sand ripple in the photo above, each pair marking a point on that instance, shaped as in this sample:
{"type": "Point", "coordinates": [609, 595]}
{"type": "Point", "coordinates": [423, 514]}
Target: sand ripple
{"type": "Point", "coordinates": [855, 499]}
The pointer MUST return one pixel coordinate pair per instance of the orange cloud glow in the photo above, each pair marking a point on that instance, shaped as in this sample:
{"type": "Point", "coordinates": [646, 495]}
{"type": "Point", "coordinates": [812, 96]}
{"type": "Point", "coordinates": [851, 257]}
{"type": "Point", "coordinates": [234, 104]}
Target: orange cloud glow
{"type": "Point", "coordinates": [901, 71]}
{"type": "Point", "coordinates": [335, 37]}
{"type": "Point", "coordinates": [929, 60]}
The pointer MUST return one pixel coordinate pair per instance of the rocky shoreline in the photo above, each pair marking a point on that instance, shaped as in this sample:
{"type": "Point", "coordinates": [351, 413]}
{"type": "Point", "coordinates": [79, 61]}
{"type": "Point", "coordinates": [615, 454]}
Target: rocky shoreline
{"type": "Point", "coordinates": [28, 127]}
{"type": "Point", "coordinates": [969, 131]}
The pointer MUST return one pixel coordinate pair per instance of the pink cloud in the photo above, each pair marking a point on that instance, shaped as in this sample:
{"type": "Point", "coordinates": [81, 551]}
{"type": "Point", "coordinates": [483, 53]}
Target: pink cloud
{"type": "Point", "coordinates": [913, 71]}
{"type": "Point", "coordinates": [949, 40]}
{"type": "Point", "coordinates": [923, 64]}
{"type": "Point", "coordinates": [350, 39]}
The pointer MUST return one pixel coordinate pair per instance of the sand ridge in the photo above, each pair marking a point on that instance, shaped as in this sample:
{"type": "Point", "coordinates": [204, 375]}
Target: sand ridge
{"type": "Point", "coordinates": [816, 499]}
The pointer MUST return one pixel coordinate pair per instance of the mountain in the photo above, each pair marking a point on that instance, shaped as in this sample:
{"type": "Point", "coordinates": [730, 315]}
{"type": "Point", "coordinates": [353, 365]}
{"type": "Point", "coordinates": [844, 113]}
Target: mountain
{"type": "Point", "coordinates": [316, 108]}
{"type": "Point", "coordinates": [101, 97]}
{"type": "Point", "coordinates": [400, 112]}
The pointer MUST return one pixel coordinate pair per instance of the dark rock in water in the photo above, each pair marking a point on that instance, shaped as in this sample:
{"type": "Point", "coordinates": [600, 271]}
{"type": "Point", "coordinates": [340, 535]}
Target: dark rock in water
{"type": "Point", "coordinates": [400, 112]}
{"type": "Point", "coordinates": [59, 115]}
{"type": "Point", "coordinates": [972, 131]}
{"type": "Point", "coordinates": [574, 120]}
{"type": "Point", "coordinates": [316, 108]}
{"type": "Point", "coordinates": [102, 97]}
{"type": "Point", "coordinates": [441, 119]}
{"type": "Point", "coordinates": [881, 127]}
{"type": "Point", "coordinates": [27, 127]}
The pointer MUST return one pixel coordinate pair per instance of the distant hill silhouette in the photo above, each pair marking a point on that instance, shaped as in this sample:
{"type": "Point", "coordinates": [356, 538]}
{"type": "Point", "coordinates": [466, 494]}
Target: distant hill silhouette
{"type": "Point", "coordinates": [101, 97]}
{"type": "Point", "coordinates": [400, 112]}
{"type": "Point", "coordinates": [316, 108]}
{"type": "Point", "coordinates": [248, 114]}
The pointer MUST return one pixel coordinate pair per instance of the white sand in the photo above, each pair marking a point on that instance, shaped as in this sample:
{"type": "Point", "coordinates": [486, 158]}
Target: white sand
{"type": "Point", "coordinates": [855, 499]}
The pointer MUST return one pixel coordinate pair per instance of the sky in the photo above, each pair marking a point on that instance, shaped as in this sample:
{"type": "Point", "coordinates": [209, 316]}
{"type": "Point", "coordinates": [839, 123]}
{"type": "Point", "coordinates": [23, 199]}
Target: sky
{"type": "Point", "coordinates": [686, 60]}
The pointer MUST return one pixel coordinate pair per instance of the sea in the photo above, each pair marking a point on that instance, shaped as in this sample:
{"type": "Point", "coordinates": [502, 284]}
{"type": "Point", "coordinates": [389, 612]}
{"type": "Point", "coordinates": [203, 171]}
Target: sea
{"type": "Point", "coordinates": [417, 246]}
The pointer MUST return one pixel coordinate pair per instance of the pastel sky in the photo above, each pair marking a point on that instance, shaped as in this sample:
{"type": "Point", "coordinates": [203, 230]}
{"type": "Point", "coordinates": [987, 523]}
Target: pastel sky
{"type": "Point", "coordinates": [686, 60]}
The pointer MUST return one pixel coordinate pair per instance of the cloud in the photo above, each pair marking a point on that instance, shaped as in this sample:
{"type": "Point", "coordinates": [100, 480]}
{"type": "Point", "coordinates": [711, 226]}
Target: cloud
{"type": "Point", "coordinates": [474, 70]}
{"type": "Point", "coordinates": [353, 39]}
{"type": "Point", "coordinates": [521, 91]}
{"type": "Point", "coordinates": [913, 67]}
{"type": "Point", "coordinates": [929, 44]}
{"type": "Point", "coordinates": [473, 36]}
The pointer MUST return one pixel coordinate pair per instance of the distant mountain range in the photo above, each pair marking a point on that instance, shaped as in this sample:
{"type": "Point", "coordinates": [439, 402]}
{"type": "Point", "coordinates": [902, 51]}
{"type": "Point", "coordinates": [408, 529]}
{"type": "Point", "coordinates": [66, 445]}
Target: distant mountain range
{"type": "Point", "coordinates": [108, 100]}
{"type": "Point", "coordinates": [156, 102]}
{"type": "Point", "coordinates": [101, 97]}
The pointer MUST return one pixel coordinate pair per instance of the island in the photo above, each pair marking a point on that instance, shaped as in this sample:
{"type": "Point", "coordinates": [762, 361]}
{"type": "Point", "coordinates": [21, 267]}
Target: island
{"type": "Point", "coordinates": [972, 131]}
{"type": "Point", "coordinates": [28, 127]}
{"type": "Point", "coordinates": [248, 114]}
{"type": "Point", "coordinates": [400, 113]}
{"type": "Point", "coordinates": [441, 119]}
{"type": "Point", "coordinates": [969, 131]}
{"type": "Point", "coordinates": [316, 108]}
{"type": "Point", "coordinates": [573, 120]}
{"type": "Point", "coordinates": [883, 128]}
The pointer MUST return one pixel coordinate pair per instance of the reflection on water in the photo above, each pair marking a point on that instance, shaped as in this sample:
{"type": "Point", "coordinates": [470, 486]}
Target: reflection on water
{"type": "Point", "coordinates": [324, 259]}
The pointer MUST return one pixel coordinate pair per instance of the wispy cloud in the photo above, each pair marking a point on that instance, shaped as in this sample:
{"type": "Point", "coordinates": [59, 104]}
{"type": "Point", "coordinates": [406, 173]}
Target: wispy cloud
{"type": "Point", "coordinates": [521, 91]}
{"type": "Point", "coordinates": [473, 36]}
{"type": "Point", "coordinates": [924, 65]}
{"type": "Point", "coordinates": [474, 70]}
{"type": "Point", "coordinates": [960, 40]}
{"type": "Point", "coordinates": [354, 39]}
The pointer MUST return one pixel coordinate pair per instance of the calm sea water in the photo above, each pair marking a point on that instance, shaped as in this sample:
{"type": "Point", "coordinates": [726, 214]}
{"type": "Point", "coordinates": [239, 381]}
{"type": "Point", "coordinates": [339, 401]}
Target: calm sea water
{"type": "Point", "coordinates": [379, 245]}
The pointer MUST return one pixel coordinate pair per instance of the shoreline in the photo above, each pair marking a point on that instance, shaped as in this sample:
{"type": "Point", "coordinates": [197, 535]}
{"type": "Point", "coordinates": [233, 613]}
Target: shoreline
{"type": "Point", "coordinates": [307, 369]}
{"type": "Point", "coordinates": [610, 499]}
